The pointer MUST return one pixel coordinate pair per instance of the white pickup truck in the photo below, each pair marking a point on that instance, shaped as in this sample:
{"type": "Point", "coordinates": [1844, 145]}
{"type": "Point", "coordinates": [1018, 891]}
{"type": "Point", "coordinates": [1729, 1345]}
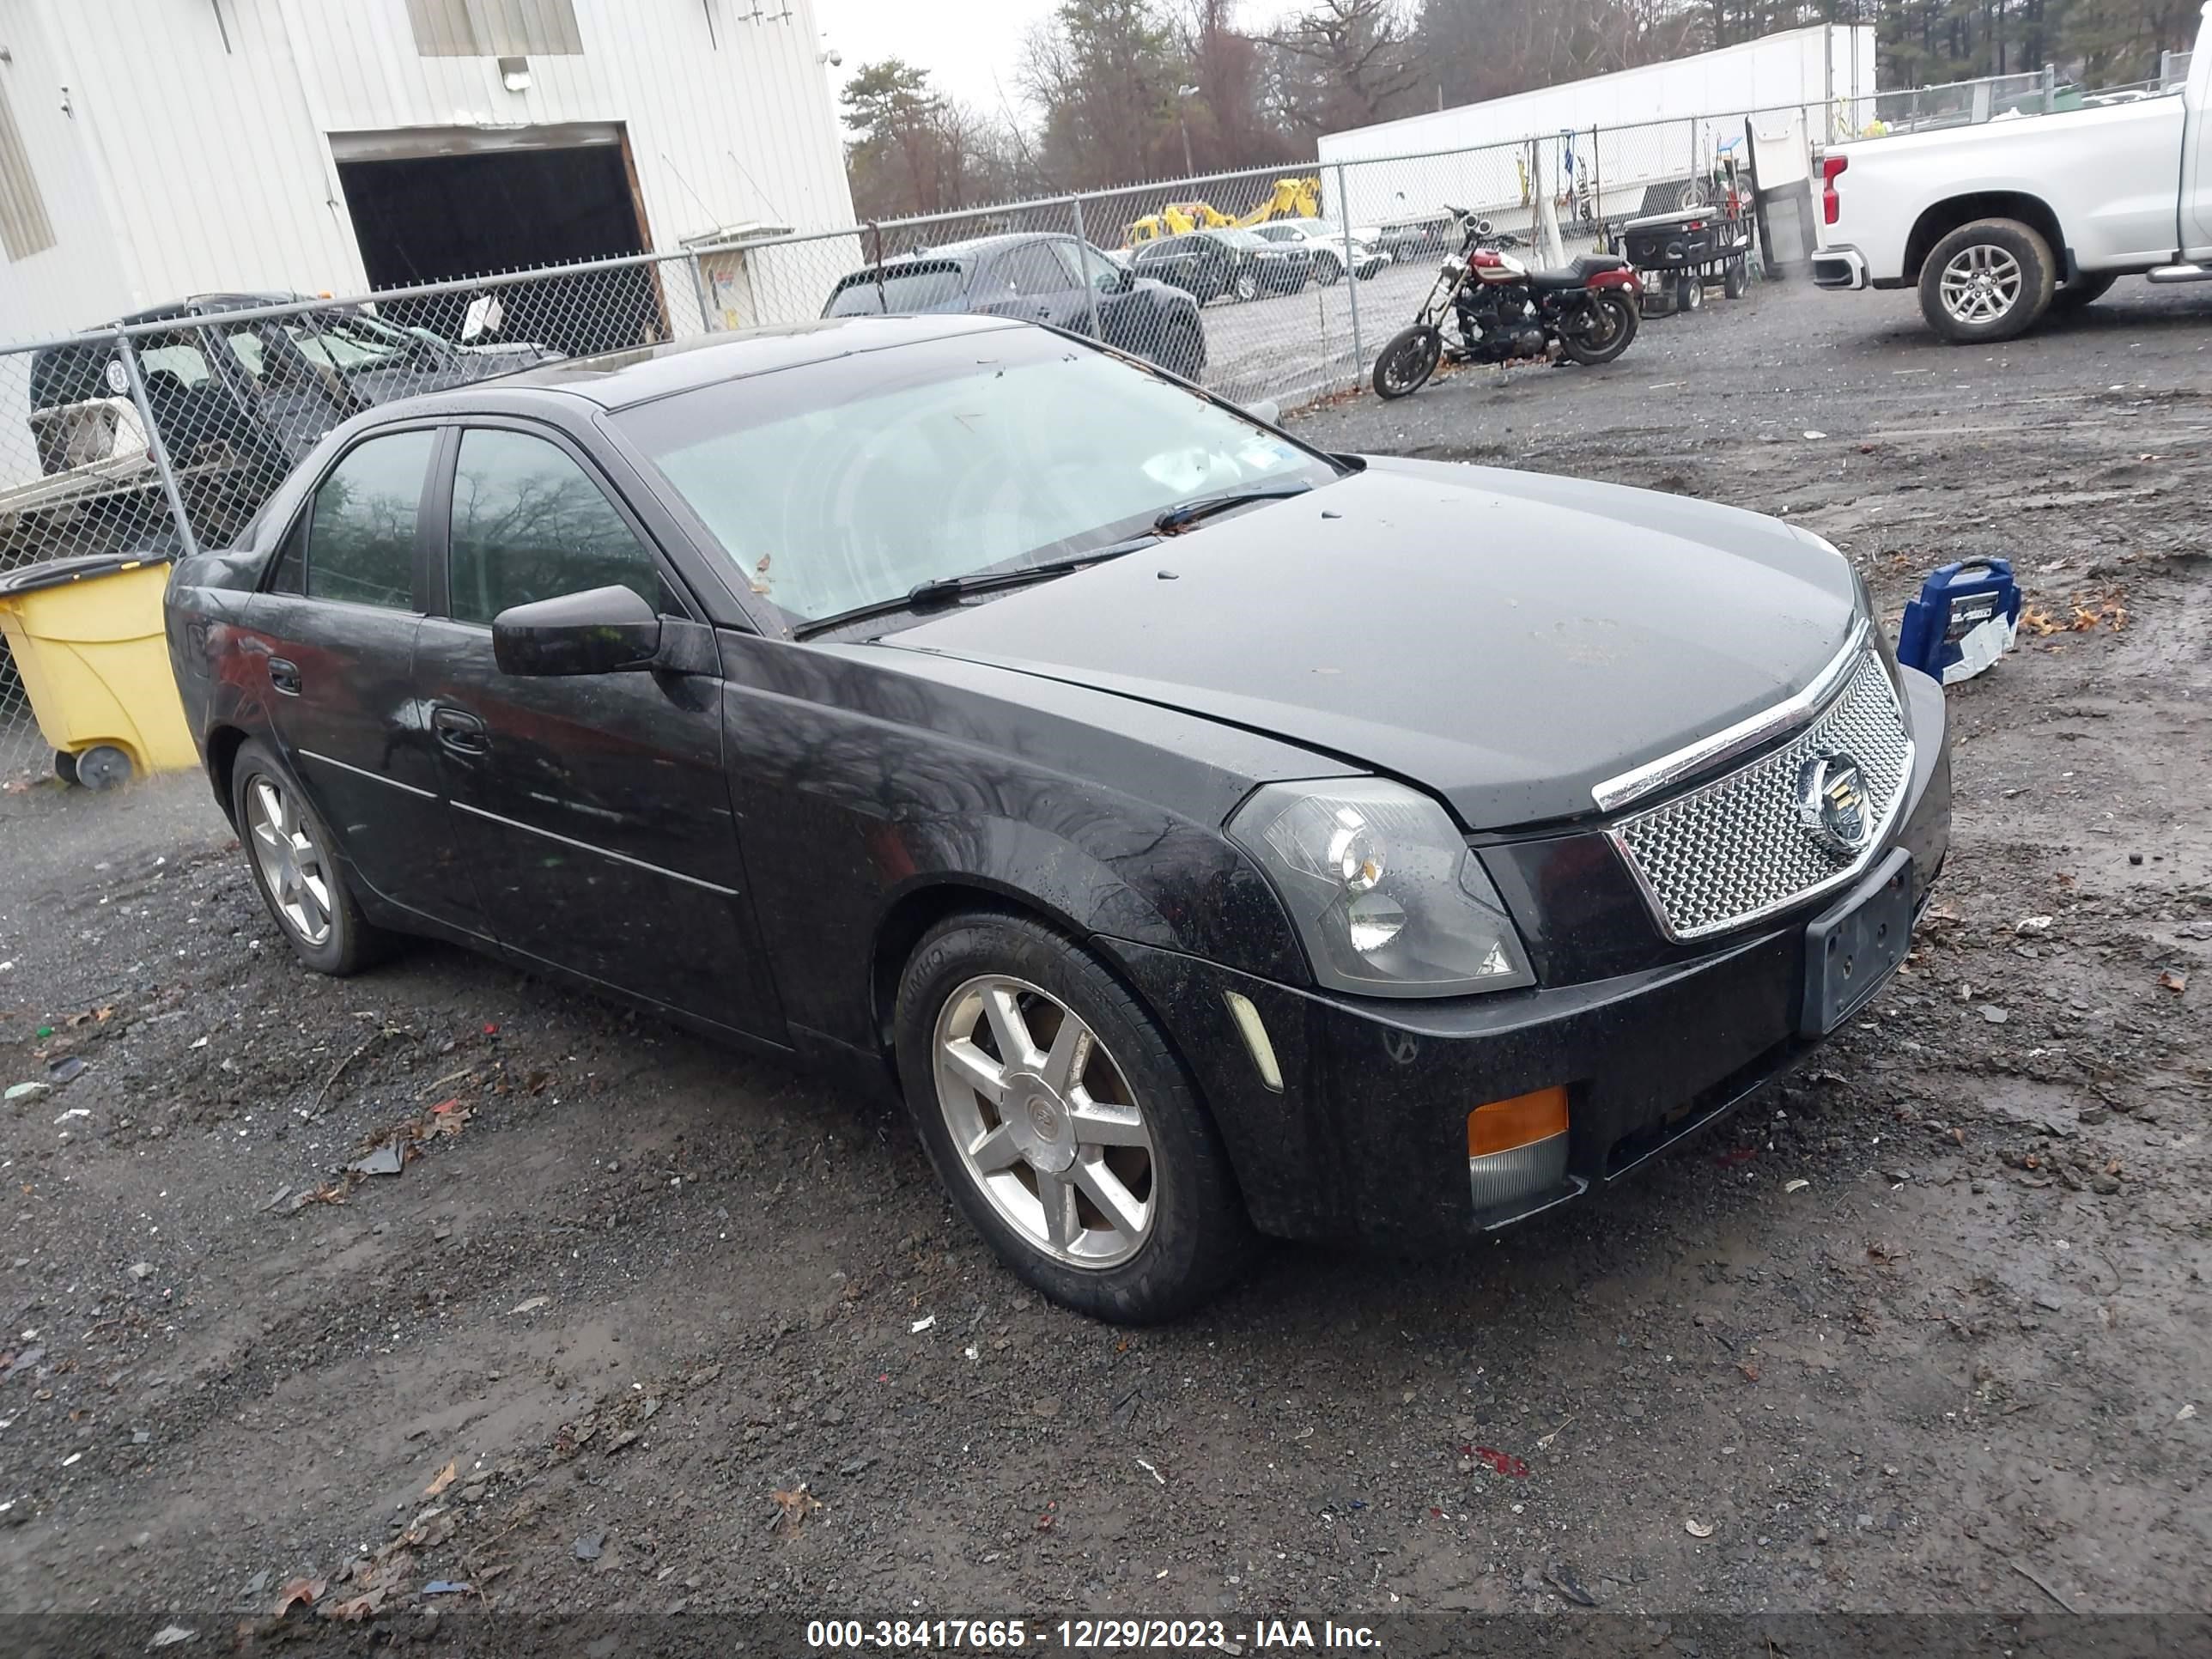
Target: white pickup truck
{"type": "Point", "coordinates": [2000, 222]}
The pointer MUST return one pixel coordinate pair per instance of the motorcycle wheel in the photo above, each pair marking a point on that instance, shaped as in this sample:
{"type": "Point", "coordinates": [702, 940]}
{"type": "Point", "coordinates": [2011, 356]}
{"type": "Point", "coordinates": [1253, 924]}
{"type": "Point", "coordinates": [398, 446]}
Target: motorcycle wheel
{"type": "Point", "coordinates": [1407, 362]}
{"type": "Point", "coordinates": [1614, 319]}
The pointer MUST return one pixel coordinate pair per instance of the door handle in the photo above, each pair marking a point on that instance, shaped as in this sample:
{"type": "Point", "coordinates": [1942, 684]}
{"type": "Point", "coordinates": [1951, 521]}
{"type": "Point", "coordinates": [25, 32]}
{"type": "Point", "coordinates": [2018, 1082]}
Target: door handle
{"type": "Point", "coordinates": [284, 676]}
{"type": "Point", "coordinates": [458, 730]}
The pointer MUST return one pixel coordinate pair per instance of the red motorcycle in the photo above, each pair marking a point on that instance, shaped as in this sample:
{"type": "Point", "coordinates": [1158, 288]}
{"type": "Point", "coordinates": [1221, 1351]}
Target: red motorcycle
{"type": "Point", "coordinates": [1501, 310]}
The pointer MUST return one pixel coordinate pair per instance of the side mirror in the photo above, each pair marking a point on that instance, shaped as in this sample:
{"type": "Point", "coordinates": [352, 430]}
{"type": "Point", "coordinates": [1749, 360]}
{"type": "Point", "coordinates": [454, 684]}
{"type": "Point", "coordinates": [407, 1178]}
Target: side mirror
{"type": "Point", "coordinates": [1266, 411]}
{"type": "Point", "coordinates": [604, 630]}
{"type": "Point", "coordinates": [1125, 278]}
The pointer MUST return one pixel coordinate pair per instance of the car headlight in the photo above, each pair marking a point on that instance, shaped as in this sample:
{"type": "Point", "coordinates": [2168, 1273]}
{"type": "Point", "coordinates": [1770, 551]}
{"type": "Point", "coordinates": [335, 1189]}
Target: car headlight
{"type": "Point", "coordinates": [1386, 893]}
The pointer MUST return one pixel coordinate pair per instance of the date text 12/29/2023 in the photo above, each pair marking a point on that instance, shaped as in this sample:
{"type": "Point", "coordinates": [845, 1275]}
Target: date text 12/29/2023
{"type": "Point", "coordinates": [1084, 1634]}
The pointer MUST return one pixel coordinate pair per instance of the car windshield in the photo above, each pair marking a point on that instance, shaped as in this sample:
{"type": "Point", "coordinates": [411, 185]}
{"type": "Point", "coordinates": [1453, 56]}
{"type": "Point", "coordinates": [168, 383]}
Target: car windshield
{"type": "Point", "coordinates": [339, 341]}
{"type": "Point", "coordinates": [919, 288]}
{"type": "Point", "coordinates": [848, 483]}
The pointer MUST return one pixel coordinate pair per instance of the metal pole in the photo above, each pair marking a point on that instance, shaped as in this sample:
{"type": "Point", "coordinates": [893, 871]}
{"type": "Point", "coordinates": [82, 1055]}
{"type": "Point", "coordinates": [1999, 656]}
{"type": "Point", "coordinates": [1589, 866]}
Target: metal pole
{"type": "Point", "coordinates": [699, 288]}
{"type": "Point", "coordinates": [1350, 270]}
{"type": "Point", "coordinates": [1597, 187]}
{"type": "Point", "coordinates": [1083, 265]}
{"type": "Point", "coordinates": [155, 446]}
{"type": "Point", "coordinates": [2049, 88]}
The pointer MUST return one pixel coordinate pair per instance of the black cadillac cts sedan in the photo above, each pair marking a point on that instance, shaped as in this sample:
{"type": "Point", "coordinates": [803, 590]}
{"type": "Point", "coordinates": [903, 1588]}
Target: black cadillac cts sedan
{"type": "Point", "coordinates": [1208, 835]}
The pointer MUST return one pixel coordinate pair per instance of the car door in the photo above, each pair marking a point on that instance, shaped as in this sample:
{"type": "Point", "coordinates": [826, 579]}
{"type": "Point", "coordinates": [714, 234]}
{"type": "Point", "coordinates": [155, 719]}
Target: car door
{"type": "Point", "coordinates": [593, 811]}
{"type": "Point", "coordinates": [332, 636]}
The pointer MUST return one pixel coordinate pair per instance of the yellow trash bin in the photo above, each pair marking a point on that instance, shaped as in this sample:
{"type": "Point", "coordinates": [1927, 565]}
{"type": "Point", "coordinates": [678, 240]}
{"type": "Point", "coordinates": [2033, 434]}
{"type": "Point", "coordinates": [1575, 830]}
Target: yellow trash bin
{"type": "Point", "coordinates": [85, 634]}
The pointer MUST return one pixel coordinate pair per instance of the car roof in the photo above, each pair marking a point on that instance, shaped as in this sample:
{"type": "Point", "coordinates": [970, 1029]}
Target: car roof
{"type": "Point", "coordinates": [619, 380]}
{"type": "Point", "coordinates": [974, 247]}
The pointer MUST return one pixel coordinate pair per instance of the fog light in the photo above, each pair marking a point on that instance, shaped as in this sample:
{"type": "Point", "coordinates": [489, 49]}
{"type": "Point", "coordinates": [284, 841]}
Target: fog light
{"type": "Point", "coordinates": [1516, 1149]}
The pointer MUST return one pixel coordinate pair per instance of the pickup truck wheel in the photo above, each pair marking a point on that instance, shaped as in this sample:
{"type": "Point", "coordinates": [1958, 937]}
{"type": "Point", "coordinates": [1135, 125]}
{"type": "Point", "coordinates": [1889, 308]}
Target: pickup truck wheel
{"type": "Point", "coordinates": [1987, 281]}
{"type": "Point", "coordinates": [2084, 290]}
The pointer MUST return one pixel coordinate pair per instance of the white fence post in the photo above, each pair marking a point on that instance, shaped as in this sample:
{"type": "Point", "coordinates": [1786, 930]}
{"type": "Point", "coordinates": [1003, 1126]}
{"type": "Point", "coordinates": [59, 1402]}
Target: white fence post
{"type": "Point", "coordinates": [1083, 265]}
{"type": "Point", "coordinates": [155, 446]}
{"type": "Point", "coordinates": [1351, 271]}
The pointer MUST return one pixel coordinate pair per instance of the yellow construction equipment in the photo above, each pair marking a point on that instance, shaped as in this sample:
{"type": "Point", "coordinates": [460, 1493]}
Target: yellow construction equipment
{"type": "Point", "coordinates": [1293, 198]}
{"type": "Point", "coordinates": [1290, 198]}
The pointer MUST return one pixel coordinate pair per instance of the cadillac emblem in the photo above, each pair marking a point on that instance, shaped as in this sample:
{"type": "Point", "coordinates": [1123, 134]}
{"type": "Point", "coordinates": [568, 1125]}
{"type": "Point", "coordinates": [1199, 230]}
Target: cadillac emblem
{"type": "Point", "coordinates": [1832, 806]}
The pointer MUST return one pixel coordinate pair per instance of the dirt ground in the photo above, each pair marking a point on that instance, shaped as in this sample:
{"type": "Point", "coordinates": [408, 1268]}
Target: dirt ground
{"type": "Point", "coordinates": [1922, 1330]}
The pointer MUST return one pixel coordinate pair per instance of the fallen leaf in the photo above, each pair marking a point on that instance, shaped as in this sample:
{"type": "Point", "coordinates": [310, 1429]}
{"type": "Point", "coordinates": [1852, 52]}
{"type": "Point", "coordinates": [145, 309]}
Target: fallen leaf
{"type": "Point", "coordinates": [297, 1592]}
{"type": "Point", "coordinates": [1797, 1186]}
{"type": "Point", "coordinates": [443, 1479]}
{"type": "Point", "coordinates": [1044, 1522]}
{"type": "Point", "coordinates": [793, 1506]}
{"type": "Point", "coordinates": [1750, 1372]}
{"type": "Point", "coordinates": [360, 1606]}
{"type": "Point", "coordinates": [1697, 1529]}
{"type": "Point", "coordinates": [2173, 981]}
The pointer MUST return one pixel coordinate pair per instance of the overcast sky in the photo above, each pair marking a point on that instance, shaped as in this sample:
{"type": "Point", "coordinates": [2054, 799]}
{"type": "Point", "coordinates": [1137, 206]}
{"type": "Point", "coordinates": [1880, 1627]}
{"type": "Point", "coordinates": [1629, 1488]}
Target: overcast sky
{"type": "Point", "coordinates": [973, 47]}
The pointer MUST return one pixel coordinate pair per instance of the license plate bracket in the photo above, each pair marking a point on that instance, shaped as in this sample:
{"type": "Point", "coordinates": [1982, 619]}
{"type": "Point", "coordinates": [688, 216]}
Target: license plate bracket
{"type": "Point", "coordinates": [1852, 947]}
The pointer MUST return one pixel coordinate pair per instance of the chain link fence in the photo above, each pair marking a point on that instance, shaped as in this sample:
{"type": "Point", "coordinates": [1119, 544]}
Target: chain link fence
{"type": "Point", "coordinates": [167, 433]}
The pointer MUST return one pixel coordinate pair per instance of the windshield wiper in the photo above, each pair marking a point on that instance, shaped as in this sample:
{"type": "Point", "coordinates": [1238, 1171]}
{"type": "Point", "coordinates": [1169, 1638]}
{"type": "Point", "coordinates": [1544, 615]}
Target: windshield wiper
{"type": "Point", "coordinates": [946, 589]}
{"type": "Point", "coordinates": [1184, 515]}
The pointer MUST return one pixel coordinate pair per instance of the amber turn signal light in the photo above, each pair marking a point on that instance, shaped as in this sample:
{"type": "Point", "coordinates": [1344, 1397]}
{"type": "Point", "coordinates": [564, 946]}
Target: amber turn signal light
{"type": "Point", "coordinates": [1503, 1125]}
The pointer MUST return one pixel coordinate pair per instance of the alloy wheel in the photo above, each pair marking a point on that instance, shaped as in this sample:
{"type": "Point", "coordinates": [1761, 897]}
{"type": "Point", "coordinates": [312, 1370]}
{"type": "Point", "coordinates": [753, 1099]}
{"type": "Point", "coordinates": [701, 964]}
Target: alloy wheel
{"type": "Point", "coordinates": [291, 864]}
{"type": "Point", "coordinates": [1981, 283]}
{"type": "Point", "coordinates": [1044, 1122]}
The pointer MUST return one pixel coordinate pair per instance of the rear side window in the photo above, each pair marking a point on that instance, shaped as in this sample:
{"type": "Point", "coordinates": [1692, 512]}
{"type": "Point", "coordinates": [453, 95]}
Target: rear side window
{"type": "Point", "coordinates": [530, 524]}
{"type": "Point", "coordinates": [904, 287]}
{"type": "Point", "coordinates": [361, 526]}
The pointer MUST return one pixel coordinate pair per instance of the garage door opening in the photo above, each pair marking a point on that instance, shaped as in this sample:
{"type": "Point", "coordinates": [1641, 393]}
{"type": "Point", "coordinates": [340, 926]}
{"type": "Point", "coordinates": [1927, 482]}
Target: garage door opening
{"type": "Point", "coordinates": [474, 207]}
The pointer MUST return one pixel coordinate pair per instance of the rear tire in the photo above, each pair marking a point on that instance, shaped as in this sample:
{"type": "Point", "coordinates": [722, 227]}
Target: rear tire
{"type": "Point", "coordinates": [1736, 280]}
{"type": "Point", "coordinates": [1987, 280]}
{"type": "Point", "coordinates": [346, 942]}
{"type": "Point", "coordinates": [2084, 290]}
{"type": "Point", "coordinates": [1164, 1228]}
{"type": "Point", "coordinates": [1328, 272]}
{"type": "Point", "coordinates": [1690, 292]}
{"type": "Point", "coordinates": [1616, 320]}
{"type": "Point", "coordinates": [1407, 362]}
{"type": "Point", "coordinates": [1245, 286]}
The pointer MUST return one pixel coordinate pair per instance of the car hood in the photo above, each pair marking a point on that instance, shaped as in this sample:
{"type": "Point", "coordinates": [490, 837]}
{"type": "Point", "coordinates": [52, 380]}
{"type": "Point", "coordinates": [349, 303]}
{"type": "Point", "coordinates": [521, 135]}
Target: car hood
{"type": "Point", "coordinates": [1506, 640]}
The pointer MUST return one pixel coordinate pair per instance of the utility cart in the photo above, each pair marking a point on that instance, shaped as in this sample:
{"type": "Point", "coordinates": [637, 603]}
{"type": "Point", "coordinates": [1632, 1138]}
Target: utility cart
{"type": "Point", "coordinates": [1676, 254]}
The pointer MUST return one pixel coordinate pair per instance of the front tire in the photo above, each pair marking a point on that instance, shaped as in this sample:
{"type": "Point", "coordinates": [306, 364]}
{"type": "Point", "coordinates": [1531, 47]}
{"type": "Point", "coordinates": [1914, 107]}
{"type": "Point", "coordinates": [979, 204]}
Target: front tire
{"type": "Point", "coordinates": [1328, 272]}
{"type": "Point", "coordinates": [1613, 322]}
{"type": "Point", "coordinates": [1407, 362]}
{"type": "Point", "coordinates": [295, 869]}
{"type": "Point", "coordinates": [1245, 286]}
{"type": "Point", "coordinates": [1991, 280]}
{"type": "Point", "coordinates": [1061, 1123]}
{"type": "Point", "coordinates": [1736, 280]}
{"type": "Point", "coordinates": [1182, 347]}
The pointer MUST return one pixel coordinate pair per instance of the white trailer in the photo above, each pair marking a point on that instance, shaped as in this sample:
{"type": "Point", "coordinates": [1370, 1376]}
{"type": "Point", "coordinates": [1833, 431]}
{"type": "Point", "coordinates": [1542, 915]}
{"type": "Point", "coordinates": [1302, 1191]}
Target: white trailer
{"type": "Point", "coordinates": [1610, 147]}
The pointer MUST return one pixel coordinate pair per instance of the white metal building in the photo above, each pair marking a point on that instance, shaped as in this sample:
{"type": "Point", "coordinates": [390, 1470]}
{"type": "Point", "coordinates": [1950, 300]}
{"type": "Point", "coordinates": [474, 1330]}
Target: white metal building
{"type": "Point", "coordinates": [151, 149]}
{"type": "Point", "coordinates": [1633, 126]}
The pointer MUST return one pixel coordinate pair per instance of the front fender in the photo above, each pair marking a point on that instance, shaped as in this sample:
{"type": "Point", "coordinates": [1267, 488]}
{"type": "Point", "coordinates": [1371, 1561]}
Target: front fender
{"type": "Point", "coordinates": [862, 778]}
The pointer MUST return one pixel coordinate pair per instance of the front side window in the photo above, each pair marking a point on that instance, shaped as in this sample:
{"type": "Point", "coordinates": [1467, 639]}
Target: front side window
{"type": "Point", "coordinates": [360, 528]}
{"type": "Point", "coordinates": [1032, 270]}
{"type": "Point", "coordinates": [530, 524]}
{"type": "Point", "coordinates": [866, 476]}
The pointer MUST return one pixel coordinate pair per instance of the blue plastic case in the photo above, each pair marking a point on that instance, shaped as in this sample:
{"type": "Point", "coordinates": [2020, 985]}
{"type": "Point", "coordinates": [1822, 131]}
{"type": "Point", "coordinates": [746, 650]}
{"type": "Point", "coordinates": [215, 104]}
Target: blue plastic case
{"type": "Point", "coordinates": [1966, 616]}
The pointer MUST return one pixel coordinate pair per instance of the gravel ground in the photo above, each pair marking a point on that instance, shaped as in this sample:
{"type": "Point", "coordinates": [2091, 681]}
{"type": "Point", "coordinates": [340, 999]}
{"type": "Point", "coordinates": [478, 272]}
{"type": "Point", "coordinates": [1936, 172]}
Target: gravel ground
{"type": "Point", "coordinates": [1921, 1330]}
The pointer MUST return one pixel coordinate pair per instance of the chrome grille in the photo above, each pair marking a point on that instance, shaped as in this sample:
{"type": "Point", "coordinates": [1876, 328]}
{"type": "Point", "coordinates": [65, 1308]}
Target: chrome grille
{"type": "Point", "coordinates": [1733, 850]}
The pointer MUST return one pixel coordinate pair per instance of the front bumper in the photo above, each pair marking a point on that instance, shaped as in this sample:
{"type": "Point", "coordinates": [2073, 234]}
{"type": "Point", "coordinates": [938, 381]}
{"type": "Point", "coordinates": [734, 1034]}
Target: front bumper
{"type": "Point", "coordinates": [1368, 1136]}
{"type": "Point", "coordinates": [1840, 267]}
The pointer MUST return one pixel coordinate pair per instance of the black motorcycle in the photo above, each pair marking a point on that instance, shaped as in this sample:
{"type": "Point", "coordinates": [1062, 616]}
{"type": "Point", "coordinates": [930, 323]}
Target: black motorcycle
{"type": "Point", "coordinates": [1501, 311]}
